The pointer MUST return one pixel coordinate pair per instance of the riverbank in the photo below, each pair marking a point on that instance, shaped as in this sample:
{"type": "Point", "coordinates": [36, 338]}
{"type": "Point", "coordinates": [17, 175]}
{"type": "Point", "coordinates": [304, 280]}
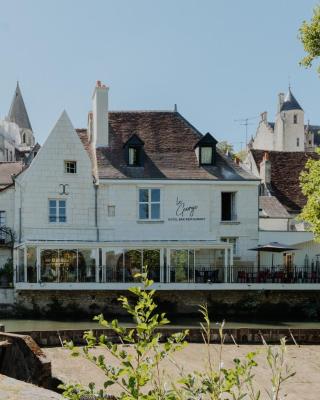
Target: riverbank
{"type": "Point", "coordinates": [305, 385]}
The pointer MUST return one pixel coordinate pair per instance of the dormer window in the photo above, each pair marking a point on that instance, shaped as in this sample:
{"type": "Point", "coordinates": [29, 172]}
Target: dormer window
{"type": "Point", "coordinates": [133, 156]}
{"type": "Point", "coordinates": [134, 153]}
{"type": "Point", "coordinates": [206, 155]}
{"type": "Point", "coordinates": [206, 150]}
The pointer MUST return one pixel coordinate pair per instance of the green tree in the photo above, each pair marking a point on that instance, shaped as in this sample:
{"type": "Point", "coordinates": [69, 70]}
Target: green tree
{"type": "Point", "coordinates": [310, 186]}
{"type": "Point", "coordinates": [139, 374]}
{"type": "Point", "coordinates": [309, 35]}
{"type": "Point", "coordinates": [225, 147]}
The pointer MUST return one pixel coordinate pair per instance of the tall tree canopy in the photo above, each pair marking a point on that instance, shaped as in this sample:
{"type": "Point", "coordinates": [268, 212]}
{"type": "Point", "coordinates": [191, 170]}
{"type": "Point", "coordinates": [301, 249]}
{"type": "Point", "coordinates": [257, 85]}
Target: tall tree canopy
{"type": "Point", "coordinates": [310, 177]}
{"type": "Point", "coordinates": [310, 38]}
{"type": "Point", "coordinates": [310, 185]}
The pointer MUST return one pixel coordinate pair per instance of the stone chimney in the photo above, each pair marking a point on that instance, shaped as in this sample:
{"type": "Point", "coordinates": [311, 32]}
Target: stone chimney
{"type": "Point", "coordinates": [264, 116]}
{"type": "Point", "coordinates": [100, 120]}
{"type": "Point", "coordinates": [280, 101]}
{"type": "Point", "coordinates": [265, 169]}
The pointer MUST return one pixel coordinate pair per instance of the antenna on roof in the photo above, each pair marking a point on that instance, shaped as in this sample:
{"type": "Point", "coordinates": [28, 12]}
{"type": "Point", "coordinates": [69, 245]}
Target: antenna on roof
{"type": "Point", "coordinates": [245, 122]}
{"type": "Point", "coordinates": [175, 108]}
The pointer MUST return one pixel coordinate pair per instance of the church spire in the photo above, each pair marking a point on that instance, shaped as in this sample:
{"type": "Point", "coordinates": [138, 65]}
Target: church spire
{"type": "Point", "coordinates": [18, 112]}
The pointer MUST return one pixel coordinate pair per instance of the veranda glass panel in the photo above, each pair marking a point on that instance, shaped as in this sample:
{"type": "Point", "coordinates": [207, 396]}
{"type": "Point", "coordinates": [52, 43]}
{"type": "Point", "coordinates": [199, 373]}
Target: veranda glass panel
{"type": "Point", "coordinates": [20, 266]}
{"type": "Point", "coordinates": [133, 264]}
{"type": "Point", "coordinates": [31, 264]}
{"type": "Point", "coordinates": [179, 263]}
{"type": "Point", "coordinates": [86, 265]}
{"type": "Point", "coordinates": [49, 265]}
{"type": "Point", "coordinates": [151, 260]}
{"type": "Point", "coordinates": [207, 268]}
{"type": "Point", "coordinates": [114, 271]}
{"type": "Point", "coordinates": [67, 265]}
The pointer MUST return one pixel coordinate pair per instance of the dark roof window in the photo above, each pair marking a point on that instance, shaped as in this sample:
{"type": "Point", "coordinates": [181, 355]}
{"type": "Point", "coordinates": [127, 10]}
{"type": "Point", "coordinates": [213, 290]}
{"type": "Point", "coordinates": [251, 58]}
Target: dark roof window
{"type": "Point", "coordinates": [134, 151]}
{"type": "Point", "coordinates": [207, 149]}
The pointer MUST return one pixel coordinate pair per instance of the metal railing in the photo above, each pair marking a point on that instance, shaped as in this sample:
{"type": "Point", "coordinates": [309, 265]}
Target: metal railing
{"type": "Point", "coordinates": [197, 274]}
{"type": "Point", "coordinates": [274, 274]}
{"type": "Point", "coordinates": [125, 275]}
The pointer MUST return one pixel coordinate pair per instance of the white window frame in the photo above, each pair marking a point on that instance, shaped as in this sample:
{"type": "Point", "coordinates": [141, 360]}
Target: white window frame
{"type": "Point", "coordinates": [68, 167]}
{"type": "Point", "coordinates": [149, 203]}
{"type": "Point", "coordinates": [202, 162]}
{"type": "Point", "coordinates": [57, 211]}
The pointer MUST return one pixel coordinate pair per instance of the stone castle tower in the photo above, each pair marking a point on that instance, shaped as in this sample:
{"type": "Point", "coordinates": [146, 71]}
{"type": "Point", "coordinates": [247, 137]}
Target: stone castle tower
{"type": "Point", "coordinates": [288, 132]}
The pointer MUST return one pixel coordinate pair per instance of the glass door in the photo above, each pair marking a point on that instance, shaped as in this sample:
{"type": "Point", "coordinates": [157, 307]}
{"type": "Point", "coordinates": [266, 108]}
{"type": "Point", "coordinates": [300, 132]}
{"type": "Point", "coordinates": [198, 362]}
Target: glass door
{"type": "Point", "coordinates": [181, 265]}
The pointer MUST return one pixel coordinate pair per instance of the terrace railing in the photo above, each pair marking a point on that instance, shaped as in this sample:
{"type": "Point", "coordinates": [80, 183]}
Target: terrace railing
{"type": "Point", "coordinates": [196, 275]}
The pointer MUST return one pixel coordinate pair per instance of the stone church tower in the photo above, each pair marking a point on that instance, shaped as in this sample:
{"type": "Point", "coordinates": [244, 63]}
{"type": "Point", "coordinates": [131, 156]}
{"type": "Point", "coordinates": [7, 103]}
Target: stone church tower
{"type": "Point", "coordinates": [288, 132]}
{"type": "Point", "coordinates": [18, 114]}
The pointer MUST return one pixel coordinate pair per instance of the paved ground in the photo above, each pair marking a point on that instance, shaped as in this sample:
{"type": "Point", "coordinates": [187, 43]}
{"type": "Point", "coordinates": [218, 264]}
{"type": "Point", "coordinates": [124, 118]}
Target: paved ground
{"type": "Point", "coordinates": [12, 389]}
{"type": "Point", "coordinates": [304, 360]}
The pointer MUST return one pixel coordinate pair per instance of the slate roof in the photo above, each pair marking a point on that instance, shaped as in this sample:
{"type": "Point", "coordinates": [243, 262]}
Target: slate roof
{"type": "Point", "coordinates": [18, 112]}
{"type": "Point", "coordinates": [169, 142]}
{"type": "Point", "coordinates": [290, 103]}
{"type": "Point", "coordinates": [285, 171]}
{"type": "Point", "coordinates": [272, 208]}
{"type": "Point", "coordinates": [8, 170]}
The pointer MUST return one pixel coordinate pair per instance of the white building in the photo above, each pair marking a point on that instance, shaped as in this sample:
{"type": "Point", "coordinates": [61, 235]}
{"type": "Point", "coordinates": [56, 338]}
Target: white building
{"type": "Point", "coordinates": [136, 188]}
{"type": "Point", "coordinates": [280, 203]}
{"type": "Point", "coordinates": [146, 188]}
{"type": "Point", "coordinates": [288, 132]}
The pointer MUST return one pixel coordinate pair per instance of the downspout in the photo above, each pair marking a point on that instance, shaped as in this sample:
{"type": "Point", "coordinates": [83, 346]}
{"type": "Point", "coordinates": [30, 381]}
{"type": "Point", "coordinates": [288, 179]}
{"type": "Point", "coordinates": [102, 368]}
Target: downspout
{"type": "Point", "coordinates": [96, 186]}
{"type": "Point", "coordinates": [20, 210]}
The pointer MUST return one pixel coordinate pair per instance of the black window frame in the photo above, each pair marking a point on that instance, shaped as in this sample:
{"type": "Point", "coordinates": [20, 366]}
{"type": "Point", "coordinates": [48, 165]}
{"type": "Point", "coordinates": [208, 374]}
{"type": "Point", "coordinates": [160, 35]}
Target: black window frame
{"type": "Point", "coordinates": [228, 206]}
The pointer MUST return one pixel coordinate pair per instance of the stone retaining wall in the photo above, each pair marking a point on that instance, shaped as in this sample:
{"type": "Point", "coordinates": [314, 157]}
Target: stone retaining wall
{"type": "Point", "coordinates": [237, 335]}
{"type": "Point", "coordinates": [266, 305]}
{"type": "Point", "coordinates": [21, 358]}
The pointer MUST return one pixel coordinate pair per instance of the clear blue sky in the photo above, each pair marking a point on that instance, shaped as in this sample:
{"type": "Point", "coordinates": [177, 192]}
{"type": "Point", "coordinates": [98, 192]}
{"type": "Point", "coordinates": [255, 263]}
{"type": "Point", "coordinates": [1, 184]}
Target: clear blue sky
{"type": "Point", "coordinates": [218, 60]}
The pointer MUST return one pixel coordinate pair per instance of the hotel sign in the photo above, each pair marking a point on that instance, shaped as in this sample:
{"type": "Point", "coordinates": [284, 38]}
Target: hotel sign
{"type": "Point", "coordinates": [186, 212]}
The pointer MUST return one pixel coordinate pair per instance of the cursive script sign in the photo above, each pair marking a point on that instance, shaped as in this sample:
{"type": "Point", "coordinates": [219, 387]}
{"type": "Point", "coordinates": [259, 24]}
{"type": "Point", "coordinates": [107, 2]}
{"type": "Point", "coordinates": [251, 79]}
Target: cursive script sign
{"type": "Point", "coordinates": [184, 210]}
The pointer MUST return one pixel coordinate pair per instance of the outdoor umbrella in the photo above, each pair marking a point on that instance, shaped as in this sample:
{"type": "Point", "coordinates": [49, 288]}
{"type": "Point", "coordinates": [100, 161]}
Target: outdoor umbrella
{"type": "Point", "coordinates": [272, 247]}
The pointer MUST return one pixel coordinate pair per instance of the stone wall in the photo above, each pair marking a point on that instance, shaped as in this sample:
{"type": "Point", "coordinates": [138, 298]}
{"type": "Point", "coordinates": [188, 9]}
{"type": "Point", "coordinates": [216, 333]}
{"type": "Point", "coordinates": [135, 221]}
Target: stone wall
{"type": "Point", "coordinates": [232, 305]}
{"type": "Point", "coordinates": [232, 336]}
{"type": "Point", "coordinates": [21, 358]}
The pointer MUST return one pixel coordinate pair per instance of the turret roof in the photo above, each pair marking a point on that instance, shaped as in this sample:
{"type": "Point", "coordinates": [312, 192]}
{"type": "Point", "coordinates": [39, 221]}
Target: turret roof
{"type": "Point", "coordinates": [18, 112]}
{"type": "Point", "coordinates": [290, 103]}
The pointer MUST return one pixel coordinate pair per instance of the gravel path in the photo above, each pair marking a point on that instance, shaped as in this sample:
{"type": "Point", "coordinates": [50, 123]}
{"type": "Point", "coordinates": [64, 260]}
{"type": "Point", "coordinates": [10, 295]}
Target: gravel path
{"type": "Point", "coordinates": [305, 360]}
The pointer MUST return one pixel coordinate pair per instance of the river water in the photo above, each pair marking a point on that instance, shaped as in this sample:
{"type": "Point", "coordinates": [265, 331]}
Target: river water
{"type": "Point", "coordinates": [25, 325]}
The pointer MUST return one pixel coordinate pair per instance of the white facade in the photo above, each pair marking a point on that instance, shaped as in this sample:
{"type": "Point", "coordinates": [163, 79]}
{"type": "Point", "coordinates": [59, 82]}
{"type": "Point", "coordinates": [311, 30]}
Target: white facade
{"type": "Point", "coordinates": [74, 229]}
{"type": "Point", "coordinates": [78, 230]}
{"type": "Point", "coordinates": [176, 229]}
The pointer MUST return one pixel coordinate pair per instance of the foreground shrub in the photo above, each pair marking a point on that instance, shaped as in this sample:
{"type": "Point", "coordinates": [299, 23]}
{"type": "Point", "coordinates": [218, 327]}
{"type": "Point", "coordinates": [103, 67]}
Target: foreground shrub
{"type": "Point", "coordinates": [140, 375]}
